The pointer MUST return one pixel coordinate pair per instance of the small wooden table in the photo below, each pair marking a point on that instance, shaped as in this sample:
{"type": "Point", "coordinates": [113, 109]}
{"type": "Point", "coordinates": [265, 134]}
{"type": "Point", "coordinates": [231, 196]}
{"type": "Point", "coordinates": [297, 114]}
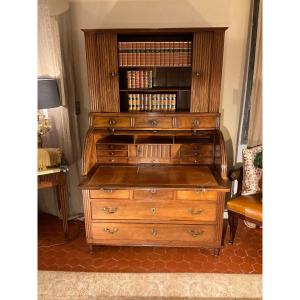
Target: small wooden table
{"type": "Point", "coordinates": [56, 177]}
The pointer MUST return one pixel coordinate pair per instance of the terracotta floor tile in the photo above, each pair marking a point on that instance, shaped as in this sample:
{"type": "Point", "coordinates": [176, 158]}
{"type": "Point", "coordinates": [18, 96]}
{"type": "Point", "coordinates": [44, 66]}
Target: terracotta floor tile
{"type": "Point", "coordinates": [244, 256]}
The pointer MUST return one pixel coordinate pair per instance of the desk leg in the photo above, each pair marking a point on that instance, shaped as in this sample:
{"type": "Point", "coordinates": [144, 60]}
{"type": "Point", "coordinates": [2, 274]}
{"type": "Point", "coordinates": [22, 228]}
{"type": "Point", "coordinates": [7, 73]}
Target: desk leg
{"type": "Point", "coordinates": [63, 205]}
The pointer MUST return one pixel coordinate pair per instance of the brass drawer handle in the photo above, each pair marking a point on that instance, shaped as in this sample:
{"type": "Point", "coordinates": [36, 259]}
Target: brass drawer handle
{"type": "Point", "coordinates": [111, 230]}
{"type": "Point", "coordinates": [197, 74]}
{"type": "Point", "coordinates": [112, 160]}
{"type": "Point", "coordinates": [153, 210]}
{"type": "Point", "coordinates": [201, 191]}
{"type": "Point", "coordinates": [113, 74]}
{"type": "Point", "coordinates": [196, 123]}
{"type": "Point", "coordinates": [111, 153]}
{"type": "Point", "coordinates": [194, 232]}
{"type": "Point", "coordinates": [110, 210]}
{"type": "Point", "coordinates": [112, 122]}
{"type": "Point", "coordinates": [153, 122]}
{"type": "Point", "coordinates": [154, 231]}
{"type": "Point", "coordinates": [153, 191]}
{"type": "Point", "coordinates": [195, 211]}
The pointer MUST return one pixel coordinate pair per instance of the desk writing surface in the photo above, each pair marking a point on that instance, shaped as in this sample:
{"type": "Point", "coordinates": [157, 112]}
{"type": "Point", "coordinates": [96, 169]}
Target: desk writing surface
{"type": "Point", "coordinates": [148, 176]}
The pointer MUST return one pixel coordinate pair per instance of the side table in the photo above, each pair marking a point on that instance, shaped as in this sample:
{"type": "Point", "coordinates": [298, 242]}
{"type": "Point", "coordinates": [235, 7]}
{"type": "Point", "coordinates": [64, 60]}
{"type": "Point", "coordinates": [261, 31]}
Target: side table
{"type": "Point", "coordinates": [56, 177]}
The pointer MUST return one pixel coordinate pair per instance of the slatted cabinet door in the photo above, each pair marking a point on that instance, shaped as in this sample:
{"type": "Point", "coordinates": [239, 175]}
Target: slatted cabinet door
{"type": "Point", "coordinates": [207, 70]}
{"type": "Point", "coordinates": [102, 64]}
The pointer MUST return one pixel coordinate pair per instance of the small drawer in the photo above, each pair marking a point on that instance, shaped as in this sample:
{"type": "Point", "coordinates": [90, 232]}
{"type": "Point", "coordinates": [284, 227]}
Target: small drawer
{"type": "Point", "coordinates": [197, 122]}
{"type": "Point", "coordinates": [111, 153]}
{"type": "Point", "coordinates": [196, 195]}
{"type": "Point", "coordinates": [153, 194]}
{"type": "Point", "coordinates": [196, 150]}
{"type": "Point", "coordinates": [109, 193]}
{"type": "Point", "coordinates": [112, 160]}
{"type": "Point", "coordinates": [153, 122]}
{"type": "Point", "coordinates": [153, 233]}
{"type": "Point", "coordinates": [111, 147]}
{"type": "Point", "coordinates": [111, 122]}
{"type": "Point", "coordinates": [196, 160]}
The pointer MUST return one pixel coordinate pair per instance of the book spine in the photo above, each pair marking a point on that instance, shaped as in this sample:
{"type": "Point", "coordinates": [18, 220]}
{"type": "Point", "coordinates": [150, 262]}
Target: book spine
{"type": "Point", "coordinates": [138, 102]}
{"type": "Point", "coordinates": [120, 54]}
{"type": "Point", "coordinates": [133, 102]}
{"type": "Point", "coordinates": [145, 102]}
{"type": "Point", "coordinates": [142, 102]}
{"type": "Point", "coordinates": [129, 79]}
{"type": "Point", "coordinates": [141, 79]}
{"type": "Point", "coordinates": [149, 102]}
{"type": "Point", "coordinates": [129, 53]}
{"type": "Point", "coordinates": [137, 83]}
{"type": "Point", "coordinates": [153, 102]}
{"type": "Point", "coordinates": [171, 50]}
{"type": "Point", "coordinates": [176, 60]}
{"type": "Point", "coordinates": [173, 102]}
{"type": "Point", "coordinates": [150, 80]}
{"type": "Point", "coordinates": [157, 102]}
{"type": "Point", "coordinates": [142, 54]}
{"type": "Point", "coordinates": [147, 54]}
{"type": "Point", "coordinates": [146, 79]}
{"type": "Point", "coordinates": [190, 54]}
{"type": "Point", "coordinates": [130, 102]}
{"type": "Point", "coordinates": [133, 79]}
{"type": "Point", "coordinates": [138, 53]}
{"type": "Point", "coordinates": [133, 53]}
{"type": "Point", "coordinates": [185, 56]}
{"type": "Point", "coordinates": [179, 53]}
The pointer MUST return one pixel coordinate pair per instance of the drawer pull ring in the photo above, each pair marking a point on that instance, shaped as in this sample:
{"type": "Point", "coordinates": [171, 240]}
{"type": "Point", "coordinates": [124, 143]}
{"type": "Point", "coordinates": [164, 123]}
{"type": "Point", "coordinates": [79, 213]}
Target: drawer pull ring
{"type": "Point", "coordinates": [194, 211]}
{"type": "Point", "coordinates": [153, 191]}
{"type": "Point", "coordinates": [112, 153]}
{"type": "Point", "coordinates": [153, 210]}
{"type": "Point", "coordinates": [110, 210]}
{"type": "Point", "coordinates": [111, 230]}
{"type": "Point", "coordinates": [112, 122]}
{"type": "Point", "coordinates": [194, 232]}
{"type": "Point", "coordinates": [154, 231]}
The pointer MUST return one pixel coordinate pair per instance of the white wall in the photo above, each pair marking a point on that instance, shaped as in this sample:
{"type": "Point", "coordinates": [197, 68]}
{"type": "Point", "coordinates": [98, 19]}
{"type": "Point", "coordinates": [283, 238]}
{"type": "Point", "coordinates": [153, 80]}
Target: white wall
{"type": "Point", "coordinates": [167, 14]}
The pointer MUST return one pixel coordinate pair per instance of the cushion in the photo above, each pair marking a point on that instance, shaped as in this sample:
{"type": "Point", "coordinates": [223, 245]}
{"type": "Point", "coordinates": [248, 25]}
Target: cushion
{"type": "Point", "coordinates": [249, 206]}
{"type": "Point", "coordinates": [251, 174]}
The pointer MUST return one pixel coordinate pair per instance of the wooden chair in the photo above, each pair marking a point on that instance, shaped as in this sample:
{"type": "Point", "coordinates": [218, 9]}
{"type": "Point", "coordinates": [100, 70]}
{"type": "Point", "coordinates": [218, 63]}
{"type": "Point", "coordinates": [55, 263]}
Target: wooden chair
{"type": "Point", "coordinates": [247, 208]}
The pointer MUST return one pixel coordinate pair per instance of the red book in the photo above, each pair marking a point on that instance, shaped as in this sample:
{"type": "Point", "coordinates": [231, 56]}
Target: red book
{"type": "Point", "coordinates": [167, 53]}
{"type": "Point", "coordinates": [138, 53]}
{"type": "Point", "coordinates": [133, 53]}
{"type": "Point", "coordinates": [137, 80]}
{"type": "Point", "coordinates": [185, 56]}
{"type": "Point", "coordinates": [176, 53]}
{"type": "Point", "coordinates": [147, 53]}
{"type": "Point", "coordinates": [129, 53]}
{"type": "Point", "coordinates": [171, 51]}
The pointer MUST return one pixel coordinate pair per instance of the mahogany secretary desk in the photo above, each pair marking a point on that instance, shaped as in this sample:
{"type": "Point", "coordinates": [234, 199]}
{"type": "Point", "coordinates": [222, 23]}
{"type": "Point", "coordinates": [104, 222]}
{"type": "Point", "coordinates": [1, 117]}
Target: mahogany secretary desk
{"type": "Point", "coordinates": [154, 161]}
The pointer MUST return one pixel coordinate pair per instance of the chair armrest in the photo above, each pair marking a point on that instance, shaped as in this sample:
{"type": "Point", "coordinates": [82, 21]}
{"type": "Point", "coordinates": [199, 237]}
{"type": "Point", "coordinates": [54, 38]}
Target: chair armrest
{"type": "Point", "coordinates": [237, 174]}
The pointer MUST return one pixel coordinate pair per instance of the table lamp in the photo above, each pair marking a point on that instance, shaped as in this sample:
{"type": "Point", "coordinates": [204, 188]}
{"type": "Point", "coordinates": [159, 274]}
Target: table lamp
{"type": "Point", "coordinates": [48, 97]}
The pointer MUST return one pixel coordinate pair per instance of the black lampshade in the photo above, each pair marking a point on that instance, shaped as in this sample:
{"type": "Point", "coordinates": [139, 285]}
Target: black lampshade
{"type": "Point", "coordinates": [48, 94]}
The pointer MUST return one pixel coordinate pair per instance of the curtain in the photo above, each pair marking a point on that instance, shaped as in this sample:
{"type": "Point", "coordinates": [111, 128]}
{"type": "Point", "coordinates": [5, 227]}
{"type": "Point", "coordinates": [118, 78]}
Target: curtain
{"type": "Point", "coordinates": [255, 122]}
{"type": "Point", "coordinates": [55, 59]}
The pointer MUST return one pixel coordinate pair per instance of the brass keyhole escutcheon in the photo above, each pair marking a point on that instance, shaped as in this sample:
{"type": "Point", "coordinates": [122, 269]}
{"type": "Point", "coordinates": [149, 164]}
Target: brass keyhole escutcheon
{"type": "Point", "coordinates": [154, 231]}
{"type": "Point", "coordinates": [153, 210]}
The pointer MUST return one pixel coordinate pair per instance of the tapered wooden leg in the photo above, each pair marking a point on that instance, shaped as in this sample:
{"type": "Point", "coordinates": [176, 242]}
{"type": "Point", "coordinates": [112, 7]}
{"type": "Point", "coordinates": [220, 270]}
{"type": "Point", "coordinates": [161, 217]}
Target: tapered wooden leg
{"type": "Point", "coordinates": [216, 251]}
{"type": "Point", "coordinates": [91, 248]}
{"type": "Point", "coordinates": [63, 204]}
{"type": "Point", "coordinates": [233, 223]}
{"type": "Point", "coordinates": [225, 225]}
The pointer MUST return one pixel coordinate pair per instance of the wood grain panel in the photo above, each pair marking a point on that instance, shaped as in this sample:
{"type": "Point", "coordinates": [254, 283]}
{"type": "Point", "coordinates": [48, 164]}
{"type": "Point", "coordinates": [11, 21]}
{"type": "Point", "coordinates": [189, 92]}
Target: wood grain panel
{"type": "Point", "coordinates": [153, 210]}
{"type": "Point", "coordinates": [201, 69]}
{"type": "Point", "coordinates": [153, 233]}
{"type": "Point", "coordinates": [87, 214]}
{"type": "Point", "coordinates": [220, 212]}
{"type": "Point", "coordinates": [196, 195]}
{"type": "Point", "coordinates": [108, 193]}
{"type": "Point", "coordinates": [102, 62]}
{"type": "Point", "coordinates": [151, 194]}
{"type": "Point", "coordinates": [216, 71]}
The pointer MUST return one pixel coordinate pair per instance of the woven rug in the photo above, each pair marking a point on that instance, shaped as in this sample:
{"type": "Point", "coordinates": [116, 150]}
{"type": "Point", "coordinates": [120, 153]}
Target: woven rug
{"type": "Point", "coordinates": [83, 285]}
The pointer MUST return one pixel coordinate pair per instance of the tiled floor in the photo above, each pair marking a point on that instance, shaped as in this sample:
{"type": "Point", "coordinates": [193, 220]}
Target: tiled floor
{"type": "Point", "coordinates": [244, 256]}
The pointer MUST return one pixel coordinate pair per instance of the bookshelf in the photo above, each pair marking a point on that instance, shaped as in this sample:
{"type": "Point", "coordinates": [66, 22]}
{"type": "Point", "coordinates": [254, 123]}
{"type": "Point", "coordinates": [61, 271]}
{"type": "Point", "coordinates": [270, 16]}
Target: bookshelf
{"type": "Point", "coordinates": [155, 72]}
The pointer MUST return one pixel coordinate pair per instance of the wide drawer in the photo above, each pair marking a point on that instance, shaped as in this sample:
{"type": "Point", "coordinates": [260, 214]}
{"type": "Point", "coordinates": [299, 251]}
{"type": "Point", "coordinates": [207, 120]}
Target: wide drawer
{"type": "Point", "coordinates": [115, 122]}
{"type": "Point", "coordinates": [153, 194]}
{"type": "Point", "coordinates": [112, 160]}
{"type": "Point", "coordinates": [153, 122]}
{"type": "Point", "coordinates": [196, 195]}
{"type": "Point", "coordinates": [111, 147]}
{"type": "Point", "coordinates": [194, 122]}
{"type": "Point", "coordinates": [108, 193]}
{"type": "Point", "coordinates": [153, 210]}
{"type": "Point", "coordinates": [112, 153]}
{"type": "Point", "coordinates": [196, 160]}
{"type": "Point", "coordinates": [151, 233]}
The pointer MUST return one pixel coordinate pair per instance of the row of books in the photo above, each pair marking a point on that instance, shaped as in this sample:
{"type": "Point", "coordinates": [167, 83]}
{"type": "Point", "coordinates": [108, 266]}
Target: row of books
{"type": "Point", "coordinates": [151, 102]}
{"type": "Point", "coordinates": [139, 79]}
{"type": "Point", "coordinates": [155, 53]}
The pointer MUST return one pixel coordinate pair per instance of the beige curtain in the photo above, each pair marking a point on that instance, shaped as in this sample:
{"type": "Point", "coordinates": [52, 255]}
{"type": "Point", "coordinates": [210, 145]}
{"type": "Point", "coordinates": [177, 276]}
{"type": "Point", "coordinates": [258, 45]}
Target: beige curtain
{"type": "Point", "coordinates": [255, 122]}
{"type": "Point", "coordinates": [55, 59]}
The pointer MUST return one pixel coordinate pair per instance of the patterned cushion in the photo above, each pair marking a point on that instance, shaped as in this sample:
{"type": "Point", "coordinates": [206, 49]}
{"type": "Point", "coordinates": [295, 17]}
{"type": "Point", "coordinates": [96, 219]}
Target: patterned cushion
{"type": "Point", "coordinates": [251, 174]}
